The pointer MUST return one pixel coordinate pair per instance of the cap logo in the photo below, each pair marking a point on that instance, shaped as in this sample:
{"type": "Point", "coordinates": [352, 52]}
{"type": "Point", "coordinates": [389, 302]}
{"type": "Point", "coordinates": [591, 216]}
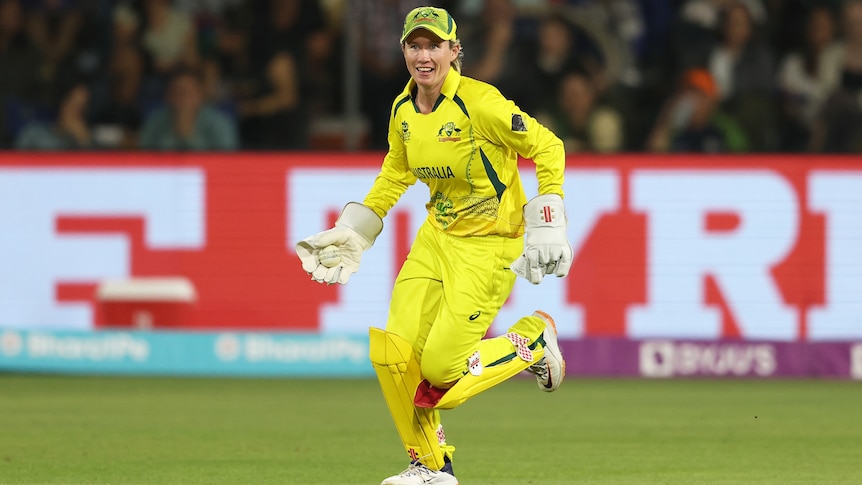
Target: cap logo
{"type": "Point", "coordinates": [426, 16]}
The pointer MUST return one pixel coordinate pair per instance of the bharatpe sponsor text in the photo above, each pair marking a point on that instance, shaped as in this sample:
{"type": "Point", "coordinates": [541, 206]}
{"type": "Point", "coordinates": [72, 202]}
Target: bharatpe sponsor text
{"type": "Point", "coordinates": [185, 353]}
{"type": "Point", "coordinates": [113, 347]}
{"type": "Point", "coordinates": [266, 348]}
{"type": "Point", "coordinates": [671, 359]}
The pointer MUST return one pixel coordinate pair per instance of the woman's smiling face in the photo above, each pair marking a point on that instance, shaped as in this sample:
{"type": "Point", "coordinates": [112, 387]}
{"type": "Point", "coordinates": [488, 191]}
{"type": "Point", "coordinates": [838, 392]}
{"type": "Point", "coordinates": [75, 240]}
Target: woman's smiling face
{"type": "Point", "coordinates": [428, 58]}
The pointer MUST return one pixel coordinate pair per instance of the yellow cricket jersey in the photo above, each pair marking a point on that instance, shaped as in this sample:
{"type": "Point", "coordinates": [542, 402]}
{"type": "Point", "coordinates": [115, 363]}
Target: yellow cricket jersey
{"type": "Point", "coordinates": [466, 150]}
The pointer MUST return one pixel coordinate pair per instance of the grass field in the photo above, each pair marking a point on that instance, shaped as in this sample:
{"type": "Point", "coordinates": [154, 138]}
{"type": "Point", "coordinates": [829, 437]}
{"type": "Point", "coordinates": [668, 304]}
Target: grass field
{"type": "Point", "coordinates": [117, 430]}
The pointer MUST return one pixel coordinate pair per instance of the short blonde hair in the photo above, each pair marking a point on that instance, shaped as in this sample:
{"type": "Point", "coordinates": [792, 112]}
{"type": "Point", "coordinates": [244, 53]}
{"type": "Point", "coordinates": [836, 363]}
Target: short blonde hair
{"type": "Point", "coordinates": [456, 64]}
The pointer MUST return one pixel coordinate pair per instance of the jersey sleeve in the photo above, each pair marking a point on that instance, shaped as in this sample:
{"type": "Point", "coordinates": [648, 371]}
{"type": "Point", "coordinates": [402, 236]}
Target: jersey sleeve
{"type": "Point", "coordinates": [394, 177]}
{"type": "Point", "coordinates": [503, 123]}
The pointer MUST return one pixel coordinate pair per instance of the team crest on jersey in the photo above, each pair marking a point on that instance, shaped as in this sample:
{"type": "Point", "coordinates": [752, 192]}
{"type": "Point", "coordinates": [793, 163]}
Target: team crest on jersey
{"type": "Point", "coordinates": [449, 132]}
{"type": "Point", "coordinates": [405, 131]}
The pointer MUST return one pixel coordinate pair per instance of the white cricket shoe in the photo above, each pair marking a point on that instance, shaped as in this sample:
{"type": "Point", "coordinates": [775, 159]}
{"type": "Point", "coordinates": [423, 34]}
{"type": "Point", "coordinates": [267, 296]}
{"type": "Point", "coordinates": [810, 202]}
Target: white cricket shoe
{"type": "Point", "coordinates": [419, 474]}
{"type": "Point", "coordinates": [551, 368]}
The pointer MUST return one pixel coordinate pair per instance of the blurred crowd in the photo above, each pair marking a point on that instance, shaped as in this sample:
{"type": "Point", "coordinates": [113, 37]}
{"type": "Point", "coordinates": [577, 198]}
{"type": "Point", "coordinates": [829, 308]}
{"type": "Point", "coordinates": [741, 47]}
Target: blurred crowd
{"type": "Point", "coordinates": [702, 76]}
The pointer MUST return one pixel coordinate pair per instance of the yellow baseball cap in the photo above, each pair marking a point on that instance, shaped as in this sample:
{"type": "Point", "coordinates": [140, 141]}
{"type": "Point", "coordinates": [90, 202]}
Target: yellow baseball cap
{"type": "Point", "coordinates": [433, 19]}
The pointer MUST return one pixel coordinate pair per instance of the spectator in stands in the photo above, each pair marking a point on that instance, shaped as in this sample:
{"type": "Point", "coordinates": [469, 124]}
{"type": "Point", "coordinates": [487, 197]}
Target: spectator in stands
{"type": "Point", "coordinates": [290, 81]}
{"type": "Point", "coordinates": [636, 35]}
{"type": "Point", "coordinates": [53, 26]}
{"type": "Point", "coordinates": [217, 89]}
{"type": "Point", "coordinates": [69, 35]}
{"type": "Point", "coordinates": [168, 36]}
{"type": "Point", "coordinates": [691, 121]}
{"type": "Point", "coordinates": [225, 30]}
{"type": "Point", "coordinates": [381, 60]}
{"type": "Point", "coordinates": [622, 24]}
{"type": "Point", "coordinates": [559, 48]}
{"type": "Point", "coordinates": [708, 13]}
{"type": "Point", "coordinates": [294, 26]}
{"type": "Point", "coordinates": [580, 120]}
{"type": "Point", "coordinates": [299, 27]}
{"type": "Point", "coordinates": [121, 96]}
{"type": "Point", "coordinates": [807, 77]}
{"type": "Point", "coordinates": [838, 128]}
{"type": "Point", "coordinates": [40, 40]}
{"type": "Point", "coordinates": [210, 19]}
{"type": "Point", "coordinates": [69, 131]}
{"type": "Point", "coordinates": [788, 21]}
{"type": "Point", "coordinates": [743, 69]}
{"type": "Point", "coordinates": [186, 122]}
{"type": "Point", "coordinates": [19, 72]}
{"type": "Point", "coordinates": [272, 119]}
{"type": "Point", "coordinates": [125, 24]}
{"type": "Point", "coordinates": [698, 24]}
{"type": "Point", "coordinates": [491, 37]}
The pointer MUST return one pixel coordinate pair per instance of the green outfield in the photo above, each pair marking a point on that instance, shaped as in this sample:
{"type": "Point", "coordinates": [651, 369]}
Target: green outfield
{"type": "Point", "coordinates": [118, 430]}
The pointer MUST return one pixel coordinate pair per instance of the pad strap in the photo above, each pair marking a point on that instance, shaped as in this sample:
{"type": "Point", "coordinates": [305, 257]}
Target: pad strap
{"type": "Point", "coordinates": [522, 346]}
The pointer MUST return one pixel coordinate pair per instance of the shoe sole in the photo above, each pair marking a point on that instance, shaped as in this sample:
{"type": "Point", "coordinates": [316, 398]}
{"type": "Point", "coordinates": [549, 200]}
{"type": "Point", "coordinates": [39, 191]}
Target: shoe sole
{"type": "Point", "coordinates": [553, 348]}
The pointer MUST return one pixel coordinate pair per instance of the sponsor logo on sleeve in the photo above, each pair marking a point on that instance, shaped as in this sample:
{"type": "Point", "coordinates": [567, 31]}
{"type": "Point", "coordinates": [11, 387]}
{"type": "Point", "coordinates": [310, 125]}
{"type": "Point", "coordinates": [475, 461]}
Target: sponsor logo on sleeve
{"type": "Point", "coordinates": [518, 123]}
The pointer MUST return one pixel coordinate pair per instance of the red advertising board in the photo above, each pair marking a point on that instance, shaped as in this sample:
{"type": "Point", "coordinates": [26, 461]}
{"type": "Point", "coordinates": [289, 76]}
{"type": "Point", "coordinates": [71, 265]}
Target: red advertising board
{"type": "Point", "coordinates": [756, 247]}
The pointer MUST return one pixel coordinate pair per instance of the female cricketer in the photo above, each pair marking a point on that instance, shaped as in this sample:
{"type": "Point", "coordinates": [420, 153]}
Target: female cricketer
{"type": "Point", "coordinates": [461, 138]}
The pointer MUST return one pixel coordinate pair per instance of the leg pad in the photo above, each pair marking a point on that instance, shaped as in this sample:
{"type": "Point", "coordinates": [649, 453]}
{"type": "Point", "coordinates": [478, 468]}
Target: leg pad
{"type": "Point", "coordinates": [399, 376]}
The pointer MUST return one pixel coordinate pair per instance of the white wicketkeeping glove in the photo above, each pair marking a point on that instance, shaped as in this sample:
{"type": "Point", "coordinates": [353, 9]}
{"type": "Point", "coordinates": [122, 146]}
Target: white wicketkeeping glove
{"type": "Point", "coordinates": [546, 246]}
{"type": "Point", "coordinates": [355, 231]}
